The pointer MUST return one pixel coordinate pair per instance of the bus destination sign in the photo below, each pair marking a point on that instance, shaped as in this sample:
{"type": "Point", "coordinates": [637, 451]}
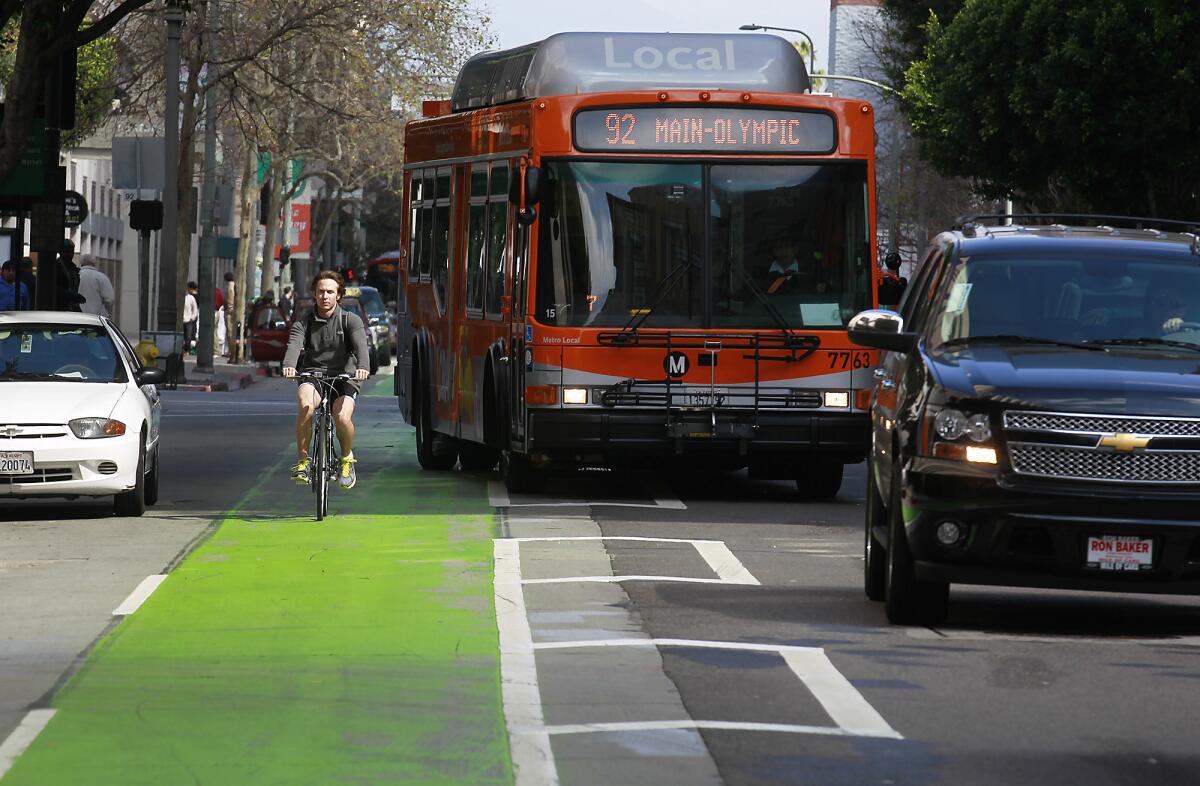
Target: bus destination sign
{"type": "Point", "coordinates": [707, 129]}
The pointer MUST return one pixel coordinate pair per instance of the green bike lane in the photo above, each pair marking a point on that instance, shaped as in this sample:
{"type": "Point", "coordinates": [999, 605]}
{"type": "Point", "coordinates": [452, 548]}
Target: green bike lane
{"type": "Point", "coordinates": [362, 649]}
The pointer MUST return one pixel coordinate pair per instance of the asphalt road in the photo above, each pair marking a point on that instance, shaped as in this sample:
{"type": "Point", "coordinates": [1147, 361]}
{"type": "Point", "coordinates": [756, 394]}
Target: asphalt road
{"type": "Point", "coordinates": [664, 629]}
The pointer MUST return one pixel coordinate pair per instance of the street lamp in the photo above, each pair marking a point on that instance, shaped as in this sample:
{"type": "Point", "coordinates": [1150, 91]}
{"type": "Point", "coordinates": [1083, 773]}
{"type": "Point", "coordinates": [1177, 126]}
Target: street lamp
{"type": "Point", "coordinates": [812, 50]}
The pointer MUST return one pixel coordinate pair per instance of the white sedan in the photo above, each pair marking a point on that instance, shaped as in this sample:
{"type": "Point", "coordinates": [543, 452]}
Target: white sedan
{"type": "Point", "coordinates": [79, 415]}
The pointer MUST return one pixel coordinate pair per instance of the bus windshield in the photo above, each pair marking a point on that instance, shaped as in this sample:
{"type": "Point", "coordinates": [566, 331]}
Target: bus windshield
{"type": "Point", "coordinates": [703, 245]}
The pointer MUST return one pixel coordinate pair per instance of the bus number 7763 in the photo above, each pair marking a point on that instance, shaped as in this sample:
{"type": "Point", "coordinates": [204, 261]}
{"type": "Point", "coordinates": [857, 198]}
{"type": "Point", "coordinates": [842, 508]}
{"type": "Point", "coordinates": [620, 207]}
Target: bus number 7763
{"type": "Point", "coordinates": [843, 359]}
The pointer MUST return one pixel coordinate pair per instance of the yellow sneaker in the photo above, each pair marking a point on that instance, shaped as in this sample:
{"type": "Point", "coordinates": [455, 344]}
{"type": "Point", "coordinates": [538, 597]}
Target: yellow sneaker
{"type": "Point", "coordinates": [300, 472]}
{"type": "Point", "coordinates": [346, 476]}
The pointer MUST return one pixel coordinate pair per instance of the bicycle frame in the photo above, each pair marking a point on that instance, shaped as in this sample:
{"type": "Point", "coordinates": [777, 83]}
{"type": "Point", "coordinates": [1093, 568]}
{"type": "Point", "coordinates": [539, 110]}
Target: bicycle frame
{"type": "Point", "coordinates": [322, 448]}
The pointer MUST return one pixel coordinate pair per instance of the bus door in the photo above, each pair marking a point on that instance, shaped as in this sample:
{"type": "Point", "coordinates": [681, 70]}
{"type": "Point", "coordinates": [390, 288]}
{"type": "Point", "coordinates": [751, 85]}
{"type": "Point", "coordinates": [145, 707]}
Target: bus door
{"type": "Point", "coordinates": [442, 361]}
{"type": "Point", "coordinates": [408, 270]}
{"type": "Point", "coordinates": [517, 321]}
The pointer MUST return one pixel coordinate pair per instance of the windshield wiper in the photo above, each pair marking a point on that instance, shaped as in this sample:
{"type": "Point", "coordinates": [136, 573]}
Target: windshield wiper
{"type": "Point", "coordinates": [1146, 342]}
{"type": "Point", "coordinates": [664, 287]}
{"type": "Point", "coordinates": [17, 375]}
{"type": "Point", "coordinates": [1014, 339]}
{"type": "Point", "coordinates": [767, 304]}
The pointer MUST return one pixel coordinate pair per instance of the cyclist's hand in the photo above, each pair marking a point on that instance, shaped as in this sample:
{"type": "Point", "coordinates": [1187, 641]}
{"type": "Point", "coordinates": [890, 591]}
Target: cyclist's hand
{"type": "Point", "coordinates": [289, 372]}
{"type": "Point", "coordinates": [360, 374]}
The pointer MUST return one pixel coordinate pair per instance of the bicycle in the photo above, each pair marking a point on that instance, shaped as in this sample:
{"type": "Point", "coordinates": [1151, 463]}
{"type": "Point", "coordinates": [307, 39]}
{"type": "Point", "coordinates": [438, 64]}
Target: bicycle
{"type": "Point", "coordinates": [322, 451]}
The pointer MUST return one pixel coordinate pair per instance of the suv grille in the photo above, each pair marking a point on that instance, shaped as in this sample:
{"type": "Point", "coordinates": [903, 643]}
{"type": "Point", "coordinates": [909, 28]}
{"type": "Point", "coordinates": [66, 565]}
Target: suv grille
{"type": "Point", "coordinates": [1101, 424]}
{"type": "Point", "coordinates": [1052, 461]}
{"type": "Point", "coordinates": [1050, 446]}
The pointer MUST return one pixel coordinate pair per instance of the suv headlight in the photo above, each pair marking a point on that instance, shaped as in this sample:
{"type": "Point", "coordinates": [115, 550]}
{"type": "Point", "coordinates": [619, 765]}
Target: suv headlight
{"type": "Point", "coordinates": [958, 435]}
{"type": "Point", "coordinates": [96, 428]}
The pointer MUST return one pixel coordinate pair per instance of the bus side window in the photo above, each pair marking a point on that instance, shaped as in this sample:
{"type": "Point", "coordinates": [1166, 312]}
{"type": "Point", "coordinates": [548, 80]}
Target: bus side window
{"type": "Point", "coordinates": [497, 207]}
{"type": "Point", "coordinates": [477, 237]}
{"type": "Point", "coordinates": [414, 225]}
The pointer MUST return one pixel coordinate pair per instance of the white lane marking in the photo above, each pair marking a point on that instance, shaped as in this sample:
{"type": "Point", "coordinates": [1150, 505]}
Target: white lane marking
{"type": "Point", "coordinates": [498, 497]}
{"type": "Point", "coordinates": [22, 737]}
{"type": "Point", "coordinates": [843, 703]}
{"type": "Point", "coordinates": [139, 595]}
{"type": "Point", "coordinates": [532, 757]}
{"type": "Point", "coordinates": [724, 563]}
{"type": "Point", "coordinates": [943, 634]}
{"type": "Point", "coordinates": [728, 568]}
{"type": "Point", "coordinates": [498, 494]}
{"type": "Point", "coordinates": [619, 579]}
{"type": "Point", "coordinates": [582, 728]}
{"type": "Point", "coordinates": [849, 710]}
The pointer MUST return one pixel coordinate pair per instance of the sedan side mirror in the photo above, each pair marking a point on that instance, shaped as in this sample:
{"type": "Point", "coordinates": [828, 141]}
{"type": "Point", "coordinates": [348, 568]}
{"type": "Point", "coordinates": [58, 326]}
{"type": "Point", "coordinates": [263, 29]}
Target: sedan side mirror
{"type": "Point", "coordinates": [881, 329]}
{"type": "Point", "coordinates": [149, 376]}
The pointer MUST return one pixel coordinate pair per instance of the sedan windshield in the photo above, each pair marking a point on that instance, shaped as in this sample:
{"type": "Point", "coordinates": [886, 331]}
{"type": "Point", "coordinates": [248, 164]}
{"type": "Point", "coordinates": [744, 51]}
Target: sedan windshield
{"type": "Point", "coordinates": [703, 245]}
{"type": "Point", "coordinates": [58, 352]}
{"type": "Point", "coordinates": [1095, 300]}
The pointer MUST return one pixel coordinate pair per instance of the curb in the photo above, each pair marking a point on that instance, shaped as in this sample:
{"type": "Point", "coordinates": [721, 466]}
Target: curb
{"type": "Point", "coordinates": [237, 383]}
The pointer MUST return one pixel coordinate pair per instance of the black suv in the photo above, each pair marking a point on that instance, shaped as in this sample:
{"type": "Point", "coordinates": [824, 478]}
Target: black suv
{"type": "Point", "coordinates": [1036, 418]}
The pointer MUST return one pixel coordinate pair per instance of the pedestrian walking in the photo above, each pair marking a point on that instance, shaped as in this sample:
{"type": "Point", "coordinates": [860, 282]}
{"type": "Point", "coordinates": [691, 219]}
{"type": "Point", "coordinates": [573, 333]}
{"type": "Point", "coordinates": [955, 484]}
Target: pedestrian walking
{"type": "Point", "coordinates": [66, 280]}
{"type": "Point", "coordinates": [27, 277]}
{"type": "Point", "coordinates": [13, 294]}
{"type": "Point", "coordinates": [218, 322]}
{"type": "Point", "coordinates": [230, 316]}
{"type": "Point", "coordinates": [285, 303]}
{"type": "Point", "coordinates": [191, 318]}
{"type": "Point", "coordinates": [94, 286]}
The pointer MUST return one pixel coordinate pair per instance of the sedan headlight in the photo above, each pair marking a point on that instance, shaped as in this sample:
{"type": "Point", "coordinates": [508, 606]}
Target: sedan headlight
{"type": "Point", "coordinates": [96, 428]}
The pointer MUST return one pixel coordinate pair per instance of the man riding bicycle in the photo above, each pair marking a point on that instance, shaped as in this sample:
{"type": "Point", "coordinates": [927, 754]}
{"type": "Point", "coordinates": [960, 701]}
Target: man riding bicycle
{"type": "Point", "coordinates": [333, 341]}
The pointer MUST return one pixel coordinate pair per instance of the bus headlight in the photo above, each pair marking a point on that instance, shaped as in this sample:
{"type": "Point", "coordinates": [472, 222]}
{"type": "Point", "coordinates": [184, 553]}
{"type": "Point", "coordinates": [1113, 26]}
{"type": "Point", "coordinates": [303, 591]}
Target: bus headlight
{"type": "Point", "coordinates": [575, 396]}
{"type": "Point", "coordinates": [836, 398]}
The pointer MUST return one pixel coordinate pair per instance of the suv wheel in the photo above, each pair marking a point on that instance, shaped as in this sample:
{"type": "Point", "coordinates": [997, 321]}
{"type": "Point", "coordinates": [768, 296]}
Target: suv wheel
{"type": "Point", "coordinates": [909, 601]}
{"type": "Point", "coordinates": [874, 555]}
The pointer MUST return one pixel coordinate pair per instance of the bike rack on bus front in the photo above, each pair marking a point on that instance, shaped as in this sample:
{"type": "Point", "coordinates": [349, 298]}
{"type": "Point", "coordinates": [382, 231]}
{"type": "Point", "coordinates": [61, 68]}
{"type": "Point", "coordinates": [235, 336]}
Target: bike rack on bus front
{"type": "Point", "coordinates": [652, 392]}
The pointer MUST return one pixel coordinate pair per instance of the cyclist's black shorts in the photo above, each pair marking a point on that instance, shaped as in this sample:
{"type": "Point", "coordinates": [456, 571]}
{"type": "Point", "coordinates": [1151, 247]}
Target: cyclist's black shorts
{"type": "Point", "coordinates": [341, 387]}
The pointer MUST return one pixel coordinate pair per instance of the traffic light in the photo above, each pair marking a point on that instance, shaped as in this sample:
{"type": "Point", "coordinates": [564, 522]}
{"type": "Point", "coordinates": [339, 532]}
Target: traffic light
{"type": "Point", "coordinates": [349, 274]}
{"type": "Point", "coordinates": [285, 257]}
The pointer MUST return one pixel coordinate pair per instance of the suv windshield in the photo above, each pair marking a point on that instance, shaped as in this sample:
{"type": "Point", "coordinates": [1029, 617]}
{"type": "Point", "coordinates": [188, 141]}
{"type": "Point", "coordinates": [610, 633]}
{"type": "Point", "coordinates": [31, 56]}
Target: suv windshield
{"type": "Point", "coordinates": [1096, 298]}
{"type": "Point", "coordinates": [712, 245]}
{"type": "Point", "coordinates": [58, 352]}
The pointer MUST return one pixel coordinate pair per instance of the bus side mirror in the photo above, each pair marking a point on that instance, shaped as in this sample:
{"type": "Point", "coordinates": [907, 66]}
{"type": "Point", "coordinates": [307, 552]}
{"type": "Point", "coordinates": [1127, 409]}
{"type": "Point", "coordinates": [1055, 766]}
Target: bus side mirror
{"type": "Point", "coordinates": [533, 185]}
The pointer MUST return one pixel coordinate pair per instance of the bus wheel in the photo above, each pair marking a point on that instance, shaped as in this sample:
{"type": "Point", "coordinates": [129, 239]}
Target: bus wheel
{"type": "Point", "coordinates": [520, 476]}
{"type": "Point", "coordinates": [477, 458]}
{"type": "Point", "coordinates": [819, 481]}
{"type": "Point", "coordinates": [425, 437]}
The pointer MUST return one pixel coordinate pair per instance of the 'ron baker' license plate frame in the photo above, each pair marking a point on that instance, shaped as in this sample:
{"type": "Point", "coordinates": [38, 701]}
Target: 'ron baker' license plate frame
{"type": "Point", "coordinates": [1119, 553]}
{"type": "Point", "coordinates": [16, 463]}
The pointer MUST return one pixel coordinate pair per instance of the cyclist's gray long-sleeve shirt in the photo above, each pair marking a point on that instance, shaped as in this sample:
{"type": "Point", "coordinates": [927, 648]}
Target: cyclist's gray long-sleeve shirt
{"type": "Point", "coordinates": [327, 346]}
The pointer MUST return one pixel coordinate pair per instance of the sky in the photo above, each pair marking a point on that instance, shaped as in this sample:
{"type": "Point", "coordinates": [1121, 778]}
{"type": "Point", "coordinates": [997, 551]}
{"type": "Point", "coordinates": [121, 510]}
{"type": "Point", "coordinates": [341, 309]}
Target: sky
{"type": "Point", "coordinates": [516, 22]}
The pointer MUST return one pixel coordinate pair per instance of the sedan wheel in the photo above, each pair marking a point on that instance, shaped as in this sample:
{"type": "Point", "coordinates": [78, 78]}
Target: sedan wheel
{"type": "Point", "coordinates": [133, 502]}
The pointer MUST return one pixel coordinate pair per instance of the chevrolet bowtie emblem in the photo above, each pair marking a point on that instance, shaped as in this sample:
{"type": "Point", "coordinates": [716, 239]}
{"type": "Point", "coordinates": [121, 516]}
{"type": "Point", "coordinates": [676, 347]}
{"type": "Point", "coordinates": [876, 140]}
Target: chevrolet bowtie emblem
{"type": "Point", "coordinates": [10, 431]}
{"type": "Point", "coordinates": [1123, 442]}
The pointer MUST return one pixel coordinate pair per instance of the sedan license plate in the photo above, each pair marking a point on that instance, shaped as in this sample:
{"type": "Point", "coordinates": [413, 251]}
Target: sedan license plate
{"type": "Point", "coordinates": [12, 463]}
{"type": "Point", "coordinates": [704, 397]}
{"type": "Point", "coordinates": [1120, 553]}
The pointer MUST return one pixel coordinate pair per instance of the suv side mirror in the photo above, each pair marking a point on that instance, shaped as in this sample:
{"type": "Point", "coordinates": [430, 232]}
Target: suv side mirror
{"type": "Point", "coordinates": [881, 329]}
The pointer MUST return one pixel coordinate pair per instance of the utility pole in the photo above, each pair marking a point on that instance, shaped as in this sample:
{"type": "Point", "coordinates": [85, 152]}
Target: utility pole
{"type": "Point", "coordinates": [208, 203]}
{"type": "Point", "coordinates": [167, 307]}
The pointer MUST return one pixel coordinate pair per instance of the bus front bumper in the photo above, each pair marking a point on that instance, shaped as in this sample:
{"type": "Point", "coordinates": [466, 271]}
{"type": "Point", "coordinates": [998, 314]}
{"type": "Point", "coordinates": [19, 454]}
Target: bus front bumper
{"type": "Point", "coordinates": [612, 435]}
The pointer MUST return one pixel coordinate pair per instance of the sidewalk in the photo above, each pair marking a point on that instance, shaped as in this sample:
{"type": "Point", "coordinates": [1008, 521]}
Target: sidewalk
{"type": "Point", "coordinates": [225, 375]}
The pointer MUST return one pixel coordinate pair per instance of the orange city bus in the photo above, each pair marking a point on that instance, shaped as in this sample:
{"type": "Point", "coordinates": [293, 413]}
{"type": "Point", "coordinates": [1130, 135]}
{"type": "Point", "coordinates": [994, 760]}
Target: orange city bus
{"type": "Point", "coordinates": [626, 248]}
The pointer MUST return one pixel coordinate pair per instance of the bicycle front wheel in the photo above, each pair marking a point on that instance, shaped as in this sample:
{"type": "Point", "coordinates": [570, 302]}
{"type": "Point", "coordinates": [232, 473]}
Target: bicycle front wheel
{"type": "Point", "coordinates": [320, 464]}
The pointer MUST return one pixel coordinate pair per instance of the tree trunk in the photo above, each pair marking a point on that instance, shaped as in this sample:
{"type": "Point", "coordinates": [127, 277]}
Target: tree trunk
{"type": "Point", "coordinates": [245, 248]}
{"type": "Point", "coordinates": [187, 202]}
{"type": "Point", "coordinates": [275, 174]}
{"type": "Point", "coordinates": [24, 85]}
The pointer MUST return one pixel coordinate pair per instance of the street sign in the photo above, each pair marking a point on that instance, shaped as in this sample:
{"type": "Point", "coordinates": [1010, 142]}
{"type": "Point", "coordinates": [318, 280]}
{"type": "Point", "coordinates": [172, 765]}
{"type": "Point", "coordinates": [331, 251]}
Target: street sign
{"type": "Point", "coordinates": [26, 180]}
{"type": "Point", "coordinates": [75, 208]}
